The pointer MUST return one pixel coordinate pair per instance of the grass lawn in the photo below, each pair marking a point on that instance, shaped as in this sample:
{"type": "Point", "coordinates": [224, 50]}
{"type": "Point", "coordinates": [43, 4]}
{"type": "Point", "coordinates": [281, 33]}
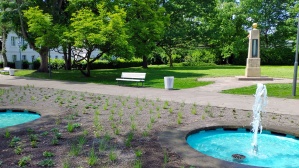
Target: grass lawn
{"type": "Point", "coordinates": [185, 77]}
{"type": "Point", "coordinates": [274, 90]}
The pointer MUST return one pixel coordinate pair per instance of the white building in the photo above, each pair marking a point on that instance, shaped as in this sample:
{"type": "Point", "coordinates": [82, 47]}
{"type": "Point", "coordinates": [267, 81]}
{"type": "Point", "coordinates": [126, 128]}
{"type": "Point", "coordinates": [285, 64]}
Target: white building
{"type": "Point", "coordinates": [14, 53]}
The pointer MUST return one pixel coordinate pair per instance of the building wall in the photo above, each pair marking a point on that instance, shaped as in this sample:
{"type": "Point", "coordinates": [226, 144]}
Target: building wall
{"type": "Point", "coordinates": [14, 53]}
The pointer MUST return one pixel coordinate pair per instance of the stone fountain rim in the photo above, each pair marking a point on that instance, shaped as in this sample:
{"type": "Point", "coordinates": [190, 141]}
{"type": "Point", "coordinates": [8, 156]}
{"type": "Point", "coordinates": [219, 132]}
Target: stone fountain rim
{"type": "Point", "coordinates": [175, 140]}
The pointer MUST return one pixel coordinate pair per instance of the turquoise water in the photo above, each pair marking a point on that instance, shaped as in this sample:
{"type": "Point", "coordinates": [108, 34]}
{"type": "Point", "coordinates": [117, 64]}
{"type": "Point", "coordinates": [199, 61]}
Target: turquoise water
{"type": "Point", "coordinates": [10, 118]}
{"type": "Point", "coordinates": [273, 150]}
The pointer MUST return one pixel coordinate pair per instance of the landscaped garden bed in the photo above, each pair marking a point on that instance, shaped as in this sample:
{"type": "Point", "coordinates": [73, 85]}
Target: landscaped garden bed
{"type": "Point", "coordinates": [80, 129]}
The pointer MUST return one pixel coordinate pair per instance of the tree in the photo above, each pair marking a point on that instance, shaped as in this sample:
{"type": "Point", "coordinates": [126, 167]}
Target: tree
{"type": "Point", "coordinates": [230, 36]}
{"type": "Point", "coordinates": [6, 19]}
{"type": "Point", "coordinates": [147, 21]}
{"type": "Point", "coordinates": [103, 29]}
{"type": "Point", "coordinates": [51, 9]}
{"type": "Point", "coordinates": [45, 32]}
{"type": "Point", "coordinates": [185, 17]}
{"type": "Point", "coordinates": [271, 17]}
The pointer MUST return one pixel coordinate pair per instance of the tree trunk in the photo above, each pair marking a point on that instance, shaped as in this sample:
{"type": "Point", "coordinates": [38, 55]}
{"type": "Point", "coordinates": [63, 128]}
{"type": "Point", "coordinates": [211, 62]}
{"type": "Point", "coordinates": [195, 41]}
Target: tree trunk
{"type": "Point", "coordinates": [69, 57]}
{"type": "Point", "coordinates": [144, 62]}
{"type": "Point", "coordinates": [169, 54]}
{"type": "Point", "coordinates": [43, 52]}
{"type": "Point", "coordinates": [88, 69]}
{"type": "Point", "coordinates": [3, 52]}
{"type": "Point", "coordinates": [88, 64]}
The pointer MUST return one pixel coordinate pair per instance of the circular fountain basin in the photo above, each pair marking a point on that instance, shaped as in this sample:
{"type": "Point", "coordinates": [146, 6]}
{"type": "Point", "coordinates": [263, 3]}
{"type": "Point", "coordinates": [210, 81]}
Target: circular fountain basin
{"type": "Point", "coordinates": [274, 149]}
{"type": "Point", "coordinates": [16, 117]}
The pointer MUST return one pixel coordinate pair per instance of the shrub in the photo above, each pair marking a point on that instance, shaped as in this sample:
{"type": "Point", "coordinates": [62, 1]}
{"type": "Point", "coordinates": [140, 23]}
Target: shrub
{"type": "Point", "coordinates": [199, 57]}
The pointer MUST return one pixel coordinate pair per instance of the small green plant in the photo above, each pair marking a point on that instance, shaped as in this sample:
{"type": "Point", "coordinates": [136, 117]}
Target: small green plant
{"type": "Point", "coordinates": [92, 158]}
{"type": "Point", "coordinates": [112, 156]}
{"type": "Point", "coordinates": [138, 153]}
{"type": "Point", "coordinates": [129, 139]}
{"type": "Point", "coordinates": [105, 107]}
{"type": "Point", "coordinates": [193, 111]}
{"type": "Point", "coordinates": [145, 133]}
{"type": "Point", "coordinates": [166, 157]}
{"type": "Point", "coordinates": [24, 161]}
{"type": "Point", "coordinates": [133, 126]}
{"type": "Point", "coordinates": [85, 133]}
{"type": "Point", "coordinates": [74, 150]}
{"type": "Point", "coordinates": [159, 115]}
{"type": "Point", "coordinates": [170, 110]}
{"type": "Point", "coordinates": [33, 137]}
{"type": "Point", "coordinates": [81, 140]}
{"type": "Point", "coordinates": [33, 144]}
{"type": "Point", "coordinates": [45, 133]}
{"type": "Point", "coordinates": [111, 117]}
{"type": "Point", "coordinates": [7, 133]}
{"type": "Point", "coordinates": [152, 119]}
{"type": "Point", "coordinates": [18, 149]}
{"type": "Point", "coordinates": [54, 141]}
{"type": "Point", "coordinates": [116, 131]}
{"type": "Point", "coordinates": [48, 154]}
{"type": "Point", "coordinates": [179, 120]}
{"type": "Point", "coordinates": [137, 164]}
{"type": "Point", "coordinates": [46, 163]}
{"type": "Point", "coordinates": [66, 163]}
{"type": "Point", "coordinates": [71, 127]}
{"type": "Point", "coordinates": [136, 102]}
{"type": "Point", "coordinates": [203, 117]}
{"type": "Point", "coordinates": [14, 141]}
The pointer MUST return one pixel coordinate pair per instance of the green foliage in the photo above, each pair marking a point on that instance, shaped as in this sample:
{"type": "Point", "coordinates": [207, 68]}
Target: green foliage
{"type": "Point", "coordinates": [147, 21]}
{"type": "Point", "coordinates": [41, 26]}
{"type": "Point", "coordinates": [48, 154]}
{"type": "Point", "coordinates": [104, 30]}
{"type": "Point", "coordinates": [200, 57]}
{"type": "Point", "coordinates": [24, 161]}
{"type": "Point", "coordinates": [46, 163]}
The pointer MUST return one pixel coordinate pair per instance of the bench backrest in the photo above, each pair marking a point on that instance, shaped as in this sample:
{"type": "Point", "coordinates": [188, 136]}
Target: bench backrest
{"type": "Point", "coordinates": [6, 68]}
{"type": "Point", "coordinates": [133, 75]}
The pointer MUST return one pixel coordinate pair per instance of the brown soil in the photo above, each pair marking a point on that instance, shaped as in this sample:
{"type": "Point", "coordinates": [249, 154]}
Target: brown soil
{"type": "Point", "coordinates": [119, 129]}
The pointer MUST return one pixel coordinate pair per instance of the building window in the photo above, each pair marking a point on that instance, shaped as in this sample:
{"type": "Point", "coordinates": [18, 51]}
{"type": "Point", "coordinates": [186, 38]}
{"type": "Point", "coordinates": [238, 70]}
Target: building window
{"type": "Point", "coordinates": [14, 58]}
{"type": "Point", "coordinates": [13, 41]}
{"type": "Point", "coordinates": [32, 58]}
{"type": "Point", "coordinates": [24, 57]}
{"type": "Point", "coordinates": [56, 57]}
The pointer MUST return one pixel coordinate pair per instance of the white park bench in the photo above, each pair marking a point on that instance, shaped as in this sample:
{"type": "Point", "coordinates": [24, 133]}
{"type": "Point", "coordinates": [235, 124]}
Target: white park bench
{"type": "Point", "coordinates": [5, 70]}
{"type": "Point", "coordinates": [132, 76]}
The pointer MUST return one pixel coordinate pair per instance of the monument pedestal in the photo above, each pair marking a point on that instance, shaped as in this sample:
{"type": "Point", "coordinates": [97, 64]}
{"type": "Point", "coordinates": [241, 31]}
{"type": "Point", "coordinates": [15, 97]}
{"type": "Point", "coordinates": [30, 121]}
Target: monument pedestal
{"type": "Point", "coordinates": [253, 62]}
{"type": "Point", "coordinates": [253, 71]}
{"type": "Point", "coordinates": [253, 68]}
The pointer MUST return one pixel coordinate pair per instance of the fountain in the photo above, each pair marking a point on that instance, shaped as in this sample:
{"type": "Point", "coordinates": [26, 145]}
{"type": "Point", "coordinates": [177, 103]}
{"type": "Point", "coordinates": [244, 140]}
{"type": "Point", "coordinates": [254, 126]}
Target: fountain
{"type": "Point", "coordinates": [228, 142]}
{"type": "Point", "coordinates": [258, 110]}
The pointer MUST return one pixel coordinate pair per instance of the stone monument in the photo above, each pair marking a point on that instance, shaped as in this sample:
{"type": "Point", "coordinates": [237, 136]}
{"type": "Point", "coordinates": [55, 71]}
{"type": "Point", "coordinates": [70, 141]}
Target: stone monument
{"type": "Point", "coordinates": [253, 63]}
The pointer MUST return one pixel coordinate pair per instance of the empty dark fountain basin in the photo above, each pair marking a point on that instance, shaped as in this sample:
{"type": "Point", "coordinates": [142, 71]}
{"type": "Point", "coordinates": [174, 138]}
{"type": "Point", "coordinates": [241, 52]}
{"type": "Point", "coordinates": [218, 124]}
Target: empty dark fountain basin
{"type": "Point", "coordinates": [16, 117]}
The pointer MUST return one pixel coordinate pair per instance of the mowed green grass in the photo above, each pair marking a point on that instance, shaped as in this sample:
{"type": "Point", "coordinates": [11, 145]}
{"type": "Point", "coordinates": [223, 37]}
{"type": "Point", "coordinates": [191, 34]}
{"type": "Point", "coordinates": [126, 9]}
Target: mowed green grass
{"type": "Point", "coordinates": [273, 90]}
{"type": "Point", "coordinates": [185, 77]}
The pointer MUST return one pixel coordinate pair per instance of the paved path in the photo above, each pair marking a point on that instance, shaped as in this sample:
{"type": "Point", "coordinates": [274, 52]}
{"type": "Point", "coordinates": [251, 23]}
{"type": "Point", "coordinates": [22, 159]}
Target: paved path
{"type": "Point", "coordinates": [201, 95]}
